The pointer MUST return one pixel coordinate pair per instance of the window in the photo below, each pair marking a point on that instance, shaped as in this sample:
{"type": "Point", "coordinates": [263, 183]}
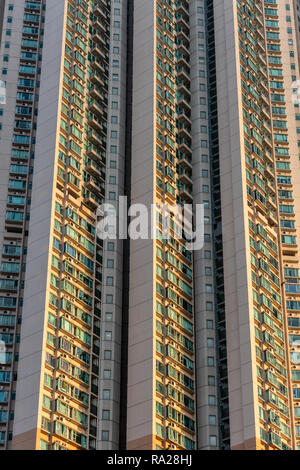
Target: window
{"type": "Point", "coordinates": [211, 380]}
{"type": "Point", "coordinates": [210, 361]}
{"type": "Point", "coordinates": [106, 374]}
{"type": "Point", "coordinates": [105, 435]}
{"type": "Point", "coordinates": [107, 355]}
{"type": "Point", "coordinates": [108, 336]}
{"type": "Point", "coordinates": [105, 415]}
{"type": "Point", "coordinates": [109, 281]}
{"type": "Point", "coordinates": [110, 263]}
{"type": "Point", "coordinates": [213, 441]}
{"type": "Point", "coordinates": [108, 316]}
{"type": "Point", "coordinates": [212, 420]}
{"type": "Point", "coordinates": [211, 400]}
{"type": "Point", "coordinates": [106, 394]}
{"type": "Point", "coordinates": [208, 271]}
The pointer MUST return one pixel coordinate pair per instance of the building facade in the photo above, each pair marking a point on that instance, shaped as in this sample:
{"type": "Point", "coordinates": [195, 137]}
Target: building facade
{"type": "Point", "coordinates": [146, 344]}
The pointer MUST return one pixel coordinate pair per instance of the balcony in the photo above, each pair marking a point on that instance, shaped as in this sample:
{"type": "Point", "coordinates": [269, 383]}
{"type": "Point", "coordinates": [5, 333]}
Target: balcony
{"type": "Point", "coordinates": [104, 4]}
{"type": "Point", "coordinates": [97, 94]}
{"type": "Point", "coordinates": [185, 177]}
{"type": "Point", "coordinates": [91, 185]}
{"type": "Point", "coordinates": [99, 24]}
{"type": "Point", "coordinates": [95, 170]}
{"type": "Point", "coordinates": [185, 192]}
{"type": "Point", "coordinates": [91, 200]}
{"type": "Point", "coordinates": [101, 40]}
{"type": "Point", "coordinates": [183, 24]}
{"type": "Point", "coordinates": [97, 124]}
{"type": "Point", "coordinates": [98, 52]}
{"type": "Point", "coordinates": [184, 145]}
{"type": "Point", "coordinates": [183, 60]}
{"type": "Point", "coordinates": [183, 105]}
{"type": "Point", "coordinates": [94, 107]}
{"type": "Point", "coordinates": [96, 65]}
{"type": "Point", "coordinates": [185, 160]}
{"type": "Point", "coordinates": [93, 152]}
{"type": "Point", "coordinates": [97, 80]}
{"type": "Point", "coordinates": [185, 132]}
{"type": "Point", "coordinates": [94, 138]}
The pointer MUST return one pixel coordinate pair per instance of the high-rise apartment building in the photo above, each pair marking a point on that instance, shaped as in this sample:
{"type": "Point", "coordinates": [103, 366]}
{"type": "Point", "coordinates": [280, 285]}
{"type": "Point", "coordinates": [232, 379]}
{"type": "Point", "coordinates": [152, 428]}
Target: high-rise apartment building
{"type": "Point", "coordinates": [146, 344]}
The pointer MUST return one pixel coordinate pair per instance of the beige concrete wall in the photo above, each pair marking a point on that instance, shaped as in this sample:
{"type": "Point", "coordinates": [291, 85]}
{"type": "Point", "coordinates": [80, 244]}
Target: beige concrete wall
{"type": "Point", "coordinates": [238, 295]}
{"type": "Point", "coordinates": [35, 311]}
{"type": "Point", "coordinates": [142, 285]}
